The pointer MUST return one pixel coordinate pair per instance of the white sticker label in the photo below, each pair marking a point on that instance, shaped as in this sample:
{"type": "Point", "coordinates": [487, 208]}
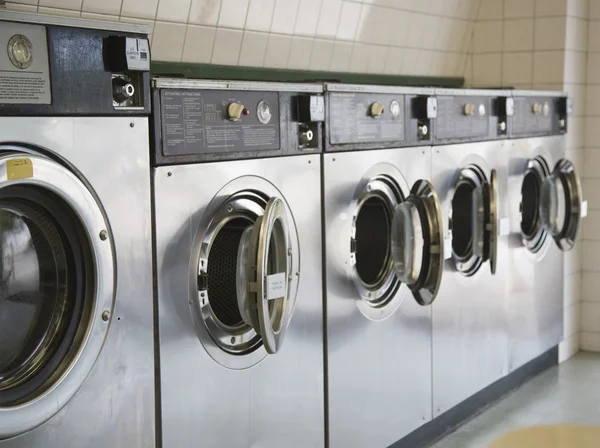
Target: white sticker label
{"type": "Point", "coordinates": [504, 227]}
{"type": "Point", "coordinates": [584, 210]}
{"type": "Point", "coordinates": [447, 248]}
{"type": "Point", "coordinates": [275, 286]}
{"type": "Point", "coordinates": [138, 54]}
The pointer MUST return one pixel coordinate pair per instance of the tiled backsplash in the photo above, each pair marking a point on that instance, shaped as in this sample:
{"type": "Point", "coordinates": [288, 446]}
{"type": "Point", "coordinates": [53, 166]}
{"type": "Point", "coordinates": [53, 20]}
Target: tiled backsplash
{"type": "Point", "coordinates": [412, 37]}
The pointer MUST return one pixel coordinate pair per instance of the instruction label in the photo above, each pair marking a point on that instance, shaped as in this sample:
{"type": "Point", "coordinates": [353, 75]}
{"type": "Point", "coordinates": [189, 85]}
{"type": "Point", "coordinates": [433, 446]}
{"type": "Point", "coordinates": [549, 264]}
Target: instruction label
{"type": "Point", "coordinates": [276, 286]}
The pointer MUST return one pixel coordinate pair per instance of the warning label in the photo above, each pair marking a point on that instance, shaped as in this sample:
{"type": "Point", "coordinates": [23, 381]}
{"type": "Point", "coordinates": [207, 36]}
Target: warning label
{"type": "Point", "coordinates": [23, 88]}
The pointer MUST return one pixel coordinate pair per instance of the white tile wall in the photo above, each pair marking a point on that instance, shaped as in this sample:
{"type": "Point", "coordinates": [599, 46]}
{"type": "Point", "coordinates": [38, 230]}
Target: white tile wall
{"type": "Point", "coordinates": [419, 37]}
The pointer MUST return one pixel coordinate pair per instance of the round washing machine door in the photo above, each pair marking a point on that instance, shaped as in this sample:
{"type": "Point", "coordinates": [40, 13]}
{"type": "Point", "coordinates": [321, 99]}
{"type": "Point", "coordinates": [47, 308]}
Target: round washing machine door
{"type": "Point", "coordinates": [56, 288]}
{"type": "Point", "coordinates": [484, 221]}
{"type": "Point", "coordinates": [561, 204]}
{"type": "Point", "coordinates": [417, 242]}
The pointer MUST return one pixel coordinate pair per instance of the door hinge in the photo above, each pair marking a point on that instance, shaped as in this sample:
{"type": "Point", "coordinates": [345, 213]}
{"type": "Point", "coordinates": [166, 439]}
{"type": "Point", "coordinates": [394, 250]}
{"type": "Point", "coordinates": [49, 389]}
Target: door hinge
{"type": "Point", "coordinates": [203, 281]}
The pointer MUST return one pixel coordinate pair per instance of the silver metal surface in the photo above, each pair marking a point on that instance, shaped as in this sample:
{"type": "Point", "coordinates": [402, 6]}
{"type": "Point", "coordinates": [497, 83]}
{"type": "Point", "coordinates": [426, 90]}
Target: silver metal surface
{"type": "Point", "coordinates": [46, 19]}
{"type": "Point", "coordinates": [552, 93]}
{"type": "Point", "coordinates": [178, 83]}
{"type": "Point", "coordinates": [472, 92]}
{"type": "Point", "coordinates": [332, 87]}
{"type": "Point", "coordinates": [378, 369]}
{"type": "Point", "coordinates": [535, 293]}
{"type": "Point", "coordinates": [470, 343]}
{"type": "Point", "coordinates": [275, 400]}
{"type": "Point", "coordinates": [115, 404]}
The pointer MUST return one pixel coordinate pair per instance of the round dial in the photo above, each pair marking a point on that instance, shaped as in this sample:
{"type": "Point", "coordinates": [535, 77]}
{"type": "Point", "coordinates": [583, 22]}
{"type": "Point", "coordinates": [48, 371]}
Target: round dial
{"type": "Point", "coordinates": [263, 112]}
{"type": "Point", "coordinates": [395, 108]}
{"type": "Point", "coordinates": [20, 51]}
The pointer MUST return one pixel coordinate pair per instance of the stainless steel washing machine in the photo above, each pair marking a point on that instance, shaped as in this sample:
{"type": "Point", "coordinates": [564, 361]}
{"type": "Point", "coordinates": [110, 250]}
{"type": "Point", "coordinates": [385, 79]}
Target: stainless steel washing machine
{"type": "Point", "coordinates": [77, 353]}
{"type": "Point", "coordinates": [546, 208]}
{"type": "Point", "coordinates": [469, 171]}
{"type": "Point", "coordinates": [383, 262]}
{"type": "Point", "coordinates": [238, 263]}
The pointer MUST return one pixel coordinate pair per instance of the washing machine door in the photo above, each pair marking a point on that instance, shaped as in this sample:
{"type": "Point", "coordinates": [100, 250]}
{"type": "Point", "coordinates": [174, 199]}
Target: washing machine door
{"type": "Point", "coordinates": [561, 204]}
{"type": "Point", "coordinates": [485, 222]}
{"type": "Point", "coordinates": [417, 242]}
{"type": "Point", "coordinates": [56, 287]}
{"type": "Point", "coordinates": [264, 268]}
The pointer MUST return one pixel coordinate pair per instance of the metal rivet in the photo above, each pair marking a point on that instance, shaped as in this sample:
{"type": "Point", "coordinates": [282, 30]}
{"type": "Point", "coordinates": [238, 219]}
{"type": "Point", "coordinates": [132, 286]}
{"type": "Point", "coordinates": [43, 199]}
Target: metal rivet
{"type": "Point", "coordinates": [333, 159]}
{"type": "Point", "coordinates": [230, 208]}
{"type": "Point", "coordinates": [233, 340]}
{"type": "Point", "coordinates": [106, 316]}
{"type": "Point", "coordinates": [131, 125]}
{"type": "Point", "coordinates": [310, 161]}
{"type": "Point", "coordinates": [103, 235]}
{"type": "Point", "coordinates": [169, 174]}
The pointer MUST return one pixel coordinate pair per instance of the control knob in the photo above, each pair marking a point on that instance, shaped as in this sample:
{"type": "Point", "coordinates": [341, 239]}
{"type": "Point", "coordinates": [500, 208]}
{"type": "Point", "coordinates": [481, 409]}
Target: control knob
{"type": "Point", "coordinates": [469, 109]}
{"type": "Point", "coordinates": [376, 110]}
{"type": "Point", "coordinates": [235, 111]}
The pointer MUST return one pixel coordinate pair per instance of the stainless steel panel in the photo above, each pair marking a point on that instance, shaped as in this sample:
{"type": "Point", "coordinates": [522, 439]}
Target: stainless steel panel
{"type": "Point", "coordinates": [470, 340]}
{"type": "Point", "coordinates": [378, 371]}
{"type": "Point", "coordinates": [278, 402]}
{"type": "Point", "coordinates": [115, 405]}
{"type": "Point", "coordinates": [535, 294]}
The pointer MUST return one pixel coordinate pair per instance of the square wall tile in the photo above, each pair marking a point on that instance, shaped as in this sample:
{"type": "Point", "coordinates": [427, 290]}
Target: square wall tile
{"type": "Point", "coordinates": [514, 9]}
{"type": "Point", "coordinates": [487, 37]}
{"type": "Point", "coordinates": [591, 189]}
{"type": "Point", "coordinates": [594, 10]}
{"type": "Point", "coordinates": [167, 41]}
{"type": "Point", "coordinates": [576, 34]}
{"type": "Point", "coordinates": [233, 13]}
{"type": "Point", "coordinates": [348, 20]}
{"type": "Point", "coordinates": [199, 41]}
{"type": "Point", "coordinates": [589, 341]}
{"type": "Point", "coordinates": [592, 133]}
{"type": "Point", "coordinates": [254, 48]}
{"type": "Point", "coordinates": [143, 9]}
{"type": "Point", "coordinates": [284, 16]}
{"type": "Point", "coordinates": [591, 257]}
{"type": "Point", "coordinates": [593, 100]}
{"type": "Point", "coordinates": [416, 29]}
{"type": "Point", "coordinates": [550, 33]}
{"type": "Point", "coordinates": [340, 59]}
{"type": "Point", "coordinates": [394, 60]}
{"type": "Point", "coordinates": [226, 50]}
{"type": "Point", "coordinates": [73, 5]}
{"type": "Point", "coordinates": [487, 69]}
{"type": "Point", "coordinates": [575, 69]}
{"type": "Point", "coordinates": [594, 35]}
{"type": "Point", "coordinates": [591, 286]}
{"type": "Point", "coordinates": [300, 53]}
{"type": "Point", "coordinates": [590, 317]}
{"type": "Point", "coordinates": [307, 17]}
{"type": "Point", "coordinates": [320, 58]}
{"type": "Point", "coordinates": [593, 68]}
{"type": "Point", "coordinates": [329, 18]}
{"type": "Point", "coordinates": [278, 49]}
{"type": "Point", "coordinates": [490, 10]}
{"type": "Point", "coordinates": [173, 10]}
{"type": "Point", "coordinates": [375, 25]}
{"type": "Point", "coordinates": [377, 59]}
{"type": "Point", "coordinates": [260, 13]}
{"type": "Point", "coordinates": [518, 35]}
{"type": "Point", "coordinates": [591, 226]}
{"type": "Point", "coordinates": [548, 67]}
{"type": "Point", "coordinates": [204, 12]}
{"type": "Point", "coordinates": [359, 62]}
{"type": "Point", "coordinates": [591, 170]}
{"type": "Point", "coordinates": [112, 7]}
{"type": "Point", "coordinates": [517, 68]}
{"type": "Point", "coordinates": [551, 8]}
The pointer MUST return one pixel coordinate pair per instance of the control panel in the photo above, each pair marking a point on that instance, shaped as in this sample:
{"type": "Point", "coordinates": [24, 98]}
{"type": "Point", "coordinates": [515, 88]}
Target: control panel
{"type": "Point", "coordinates": [539, 115]}
{"type": "Point", "coordinates": [383, 118]}
{"type": "Point", "coordinates": [464, 118]}
{"type": "Point", "coordinates": [196, 125]}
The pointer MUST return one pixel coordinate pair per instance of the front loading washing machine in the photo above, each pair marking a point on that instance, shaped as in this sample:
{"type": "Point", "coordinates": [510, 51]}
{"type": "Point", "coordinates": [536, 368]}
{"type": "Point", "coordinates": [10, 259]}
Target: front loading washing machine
{"type": "Point", "coordinates": [469, 171]}
{"type": "Point", "coordinates": [238, 263]}
{"type": "Point", "coordinates": [76, 350]}
{"type": "Point", "coordinates": [546, 208]}
{"type": "Point", "coordinates": [383, 262]}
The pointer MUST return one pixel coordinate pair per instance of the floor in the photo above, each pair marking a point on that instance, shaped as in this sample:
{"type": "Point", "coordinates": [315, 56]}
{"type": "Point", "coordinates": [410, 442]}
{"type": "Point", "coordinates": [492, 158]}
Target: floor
{"type": "Point", "coordinates": [569, 393]}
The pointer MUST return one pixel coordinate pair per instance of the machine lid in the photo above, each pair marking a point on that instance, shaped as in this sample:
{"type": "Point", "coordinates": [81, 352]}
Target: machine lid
{"type": "Point", "coordinates": [484, 221]}
{"type": "Point", "coordinates": [417, 242]}
{"type": "Point", "coordinates": [264, 267]}
{"type": "Point", "coordinates": [561, 205]}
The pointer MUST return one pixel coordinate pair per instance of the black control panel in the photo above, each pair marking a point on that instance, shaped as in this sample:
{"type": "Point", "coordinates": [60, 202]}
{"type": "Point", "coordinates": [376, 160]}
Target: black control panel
{"type": "Point", "coordinates": [539, 115]}
{"type": "Point", "coordinates": [367, 120]}
{"type": "Point", "coordinates": [203, 125]}
{"type": "Point", "coordinates": [73, 71]}
{"type": "Point", "coordinates": [463, 118]}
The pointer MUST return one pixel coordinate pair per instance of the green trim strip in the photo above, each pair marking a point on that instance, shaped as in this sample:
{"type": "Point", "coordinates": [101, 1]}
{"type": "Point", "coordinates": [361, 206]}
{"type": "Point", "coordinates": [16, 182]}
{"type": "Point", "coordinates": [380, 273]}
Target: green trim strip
{"type": "Point", "coordinates": [209, 71]}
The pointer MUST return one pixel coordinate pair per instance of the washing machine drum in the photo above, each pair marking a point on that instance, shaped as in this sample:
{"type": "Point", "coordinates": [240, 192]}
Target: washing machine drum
{"type": "Point", "coordinates": [54, 272]}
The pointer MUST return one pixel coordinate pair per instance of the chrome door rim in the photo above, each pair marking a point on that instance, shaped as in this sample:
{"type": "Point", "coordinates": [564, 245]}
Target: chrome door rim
{"type": "Point", "coordinates": [566, 238]}
{"type": "Point", "coordinates": [54, 177]}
